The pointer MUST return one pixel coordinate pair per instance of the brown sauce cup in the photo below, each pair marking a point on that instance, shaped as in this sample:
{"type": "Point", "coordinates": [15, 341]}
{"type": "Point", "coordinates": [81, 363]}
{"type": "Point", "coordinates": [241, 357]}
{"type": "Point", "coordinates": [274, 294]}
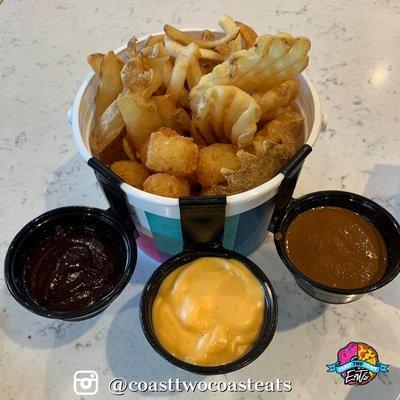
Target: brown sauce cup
{"type": "Point", "coordinates": [383, 221]}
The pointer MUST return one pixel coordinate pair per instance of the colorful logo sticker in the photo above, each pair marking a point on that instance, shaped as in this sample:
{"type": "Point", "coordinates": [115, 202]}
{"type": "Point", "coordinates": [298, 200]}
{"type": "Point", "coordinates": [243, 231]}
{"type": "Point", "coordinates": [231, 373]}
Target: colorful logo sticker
{"type": "Point", "coordinates": [357, 364]}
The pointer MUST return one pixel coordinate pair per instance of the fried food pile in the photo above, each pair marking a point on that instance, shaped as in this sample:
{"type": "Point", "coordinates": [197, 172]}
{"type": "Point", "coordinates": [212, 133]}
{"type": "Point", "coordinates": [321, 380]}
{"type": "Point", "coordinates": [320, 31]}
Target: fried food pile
{"type": "Point", "coordinates": [185, 115]}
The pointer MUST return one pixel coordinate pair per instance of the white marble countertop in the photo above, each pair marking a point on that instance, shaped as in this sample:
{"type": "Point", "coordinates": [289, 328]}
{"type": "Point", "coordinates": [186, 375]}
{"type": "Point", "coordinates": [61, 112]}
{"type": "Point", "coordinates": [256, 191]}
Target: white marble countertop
{"type": "Point", "coordinates": [355, 62]}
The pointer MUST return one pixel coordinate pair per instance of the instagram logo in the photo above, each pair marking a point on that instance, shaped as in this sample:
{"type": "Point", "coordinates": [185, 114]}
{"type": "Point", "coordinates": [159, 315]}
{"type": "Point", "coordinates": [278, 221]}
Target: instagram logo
{"type": "Point", "coordinates": [86, 383]}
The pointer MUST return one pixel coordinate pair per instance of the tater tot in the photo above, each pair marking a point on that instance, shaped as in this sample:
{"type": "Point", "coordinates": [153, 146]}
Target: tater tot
{"type": "Point", "coordinates": [173, 154]}
{"type": "Point", "coordinates": [210, 161]}
{"type": "Point", "coordinates": [142, 151]}
{"type": "Point", "coordinates": [131, 172]}
{"type": "Point", "coordinates": [167, 185]}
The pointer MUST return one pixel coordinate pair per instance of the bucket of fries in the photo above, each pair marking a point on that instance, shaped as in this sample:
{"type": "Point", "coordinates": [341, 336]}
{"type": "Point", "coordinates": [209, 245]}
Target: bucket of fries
{"type": "Point", "coordinates": [198, 113]}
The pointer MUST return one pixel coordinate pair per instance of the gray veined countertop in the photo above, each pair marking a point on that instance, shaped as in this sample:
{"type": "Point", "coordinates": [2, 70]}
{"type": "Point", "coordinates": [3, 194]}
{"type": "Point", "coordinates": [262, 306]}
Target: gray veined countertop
{"type": "Point", "coordinates": [355, 62]}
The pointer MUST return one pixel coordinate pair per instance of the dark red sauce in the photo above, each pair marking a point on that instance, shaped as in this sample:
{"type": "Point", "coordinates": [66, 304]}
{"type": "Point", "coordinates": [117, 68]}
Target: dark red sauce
{"type": "Point", "coordinates": [72, 268]}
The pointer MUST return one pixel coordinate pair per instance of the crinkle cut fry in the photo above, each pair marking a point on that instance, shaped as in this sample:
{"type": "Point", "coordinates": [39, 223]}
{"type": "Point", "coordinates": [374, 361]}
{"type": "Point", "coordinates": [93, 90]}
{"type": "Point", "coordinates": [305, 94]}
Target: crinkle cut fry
{"type": "Point", "coordinates": [271, 61]}
{"type": "Point", "coordinates": [226, 113]}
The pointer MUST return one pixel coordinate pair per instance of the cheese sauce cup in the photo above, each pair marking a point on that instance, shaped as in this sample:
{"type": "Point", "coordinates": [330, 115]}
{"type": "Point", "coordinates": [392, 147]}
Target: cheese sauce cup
{"type": "Point", "coordinates": [203, 225]}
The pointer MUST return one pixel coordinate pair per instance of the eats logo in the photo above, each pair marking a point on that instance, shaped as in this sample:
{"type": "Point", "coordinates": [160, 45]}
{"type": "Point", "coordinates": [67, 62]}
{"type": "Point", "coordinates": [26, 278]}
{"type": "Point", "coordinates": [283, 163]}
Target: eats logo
{"type": "Point", "coordinates": [357, 363]}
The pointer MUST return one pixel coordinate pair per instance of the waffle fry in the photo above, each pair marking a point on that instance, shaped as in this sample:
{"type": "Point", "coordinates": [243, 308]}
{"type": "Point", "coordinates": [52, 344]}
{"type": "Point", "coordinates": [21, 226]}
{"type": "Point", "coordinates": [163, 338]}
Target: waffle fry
{"type": "Point", "coordinates": [226, 114]}
{"type": "Point", "coordinates": [271, 61]}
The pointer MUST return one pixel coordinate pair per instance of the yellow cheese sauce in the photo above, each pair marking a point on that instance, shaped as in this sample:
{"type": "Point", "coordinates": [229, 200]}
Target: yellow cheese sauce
{"type": "Point", "coordinates": [209, 311]}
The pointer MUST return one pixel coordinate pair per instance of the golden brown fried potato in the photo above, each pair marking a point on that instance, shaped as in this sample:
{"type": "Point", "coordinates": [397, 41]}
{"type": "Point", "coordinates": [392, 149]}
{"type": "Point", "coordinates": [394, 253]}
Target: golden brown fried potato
{"type": "Point", "coordinates": [166, 109]}
{"type": "Point", "coordinates": [226, 114]}
{"type": "Point", "coordinates": [247, 33]}
{"type": "Point", "coordinates": [272, 148]}
{"type": "Point", "coordinates": [141, 117]}
{"type": "Point", "coordinates": [95, 60]}
{"type": "Point", "coordinates": [180, 70]}
{"type": "Point", "coordinates": [271, 61]}
{"type": "Point", "coordinates": [167, 74]}
{"type": "Point", "coordinates": [153, 39]}
{"type": "Point", "coordinates": [277, 112]}
{"type": "Point", "coordinates": [196, 135]}
{"type": "Point", "coordinates": [174, 154]}
{"type": "Point", "coordinates": [110, 83]}
{"type": "Point", "coordinates": [231, 47]}
{"type": "Point", "coordinates": [226, 22]}
{"type": "Point", "coordinates": [206, 34]}
{"type": "Point", "coordinates": [184, 99]}
{"type": "Point", "coordinates": [212, 159]}
{"type": "Point", "coordinates": [174, 48]}
{"type": "Point", "coordinates": [166, 185]}
{"type": "Point", "coordinates": [273, 101]}
{"type": "Point", "coordinates": [107, 129]}
{"type": "Point", "coordinates": [142, 152]}
{"type": "Point", "coordinates": [144, 73]}
{"type": "Point", "coordinates": [131, 172]}
{"type": "Point", "coordinates": [286, 129]}
{"type": "Point", "coordinates": [113, 152]}
{"type": "Point", "coordinates": [194, 73]}
{"type": "Point", "coordinates": [132, 48]}
{"type": "Point", "coordinates": [129, 149]}
{"type": "Point", "coordinates": [207, 65]}
{"type": "Point", "coordinates": [183, 123]}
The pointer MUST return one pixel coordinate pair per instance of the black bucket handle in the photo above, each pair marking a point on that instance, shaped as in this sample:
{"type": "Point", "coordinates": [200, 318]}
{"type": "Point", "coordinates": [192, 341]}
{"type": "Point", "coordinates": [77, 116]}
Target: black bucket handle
{"type": "Point", "coordinates": [202, 221]}
{"type": "Point", "coordinates": [291, 172]}
{"type": "Point", "coordinates": [111, 183]}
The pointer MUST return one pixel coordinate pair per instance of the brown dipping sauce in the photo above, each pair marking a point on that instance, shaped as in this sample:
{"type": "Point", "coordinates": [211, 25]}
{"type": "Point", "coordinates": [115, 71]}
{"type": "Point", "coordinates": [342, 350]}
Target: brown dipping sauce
{"type": "Point", "coordinates": [72, 268]}
{"type": "Point", "coordinates": [336, 247]}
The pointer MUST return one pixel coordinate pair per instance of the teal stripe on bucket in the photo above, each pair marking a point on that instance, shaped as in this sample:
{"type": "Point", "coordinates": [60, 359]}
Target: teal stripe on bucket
{"type": "Point", "coordinates": [231, 224]}
{"type": "Point", "coordinates": [166, 233]}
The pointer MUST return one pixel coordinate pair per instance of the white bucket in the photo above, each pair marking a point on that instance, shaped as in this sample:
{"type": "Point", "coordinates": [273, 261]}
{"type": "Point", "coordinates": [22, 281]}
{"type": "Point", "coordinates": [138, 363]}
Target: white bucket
{"type": "Point", "coordinates": [157, 218]}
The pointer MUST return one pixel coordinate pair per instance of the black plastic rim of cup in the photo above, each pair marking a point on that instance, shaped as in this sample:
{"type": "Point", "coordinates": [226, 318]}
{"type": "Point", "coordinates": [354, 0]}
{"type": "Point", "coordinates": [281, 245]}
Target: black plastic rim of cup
{"type": "Point", "coordinates": [150, 292]}
{"type": "Point", "coordinates": [21, 245]}
{"type": "Point", "coordinates": [383, 221]}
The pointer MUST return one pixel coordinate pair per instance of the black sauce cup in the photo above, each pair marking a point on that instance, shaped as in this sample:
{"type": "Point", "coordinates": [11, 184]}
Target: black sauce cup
{"type": "Point", "coordinates": [269, 318]}
{"type": "Point", "coordinates": [383, 221]}
{"type": "Point", "coordinates": [32, 234]}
